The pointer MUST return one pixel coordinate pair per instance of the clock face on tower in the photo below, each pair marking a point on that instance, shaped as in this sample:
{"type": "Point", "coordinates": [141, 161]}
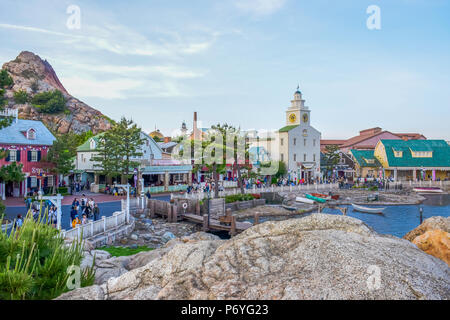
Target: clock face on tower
{"type": "Point", "coordinates": [305, 118]}
{"type": "Point", "coordinates": [292, 117]}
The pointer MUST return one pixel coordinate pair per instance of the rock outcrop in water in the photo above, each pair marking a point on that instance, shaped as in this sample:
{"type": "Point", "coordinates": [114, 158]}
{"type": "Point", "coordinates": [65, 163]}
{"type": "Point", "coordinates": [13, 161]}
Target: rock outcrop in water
{"type": "Point", "coordinates": [29, 70]}
{"type": "Point", "coordinates": [316, 257]}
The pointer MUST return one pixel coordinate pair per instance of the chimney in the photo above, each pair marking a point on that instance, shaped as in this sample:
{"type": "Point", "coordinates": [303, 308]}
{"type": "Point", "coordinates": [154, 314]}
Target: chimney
{"type": "Point", "coordinates": [167, 139]}
{"type": "Point", "coordinates": [195, 130]}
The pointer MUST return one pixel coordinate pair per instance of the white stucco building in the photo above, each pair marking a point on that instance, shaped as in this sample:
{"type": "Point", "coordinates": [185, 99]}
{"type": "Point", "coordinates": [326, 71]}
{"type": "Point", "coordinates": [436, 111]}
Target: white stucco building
{"type": "Point", "coordinates": [299, 142]}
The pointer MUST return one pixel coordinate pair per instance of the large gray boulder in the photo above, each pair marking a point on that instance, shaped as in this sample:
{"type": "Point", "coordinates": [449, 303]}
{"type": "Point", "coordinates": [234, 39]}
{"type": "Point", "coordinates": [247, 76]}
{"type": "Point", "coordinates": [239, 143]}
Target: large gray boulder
{"type": "Point", "coordinates": [316, 257]}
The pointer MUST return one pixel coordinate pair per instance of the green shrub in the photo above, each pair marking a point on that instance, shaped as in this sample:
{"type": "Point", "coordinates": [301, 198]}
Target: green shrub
{"type": "Point", "coordinates": [62, 190]}
{"type": "Point", "coordinates": [238, 197]}
{"type": "Point", "coordinates": [34, 262]}
{"type": "Point", "coordinates": [49, 101]}
{"type": "Point", "coordinates": [21, 97]}
{"type": "Point", "coordinates": [5, 79]}
{"type": "Point", "coordinates": [124, 251]}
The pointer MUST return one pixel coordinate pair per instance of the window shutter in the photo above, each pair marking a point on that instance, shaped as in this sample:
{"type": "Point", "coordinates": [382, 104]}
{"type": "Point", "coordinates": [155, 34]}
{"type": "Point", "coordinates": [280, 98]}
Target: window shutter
{"type": "Point", "coordinates": [29, 156]}
{"type": "Point", "coordinates": [39, 156]}
{"type": "Point", "coordinates": [18, 156]}
{"type": "Point", "coordinates": [7, 157]}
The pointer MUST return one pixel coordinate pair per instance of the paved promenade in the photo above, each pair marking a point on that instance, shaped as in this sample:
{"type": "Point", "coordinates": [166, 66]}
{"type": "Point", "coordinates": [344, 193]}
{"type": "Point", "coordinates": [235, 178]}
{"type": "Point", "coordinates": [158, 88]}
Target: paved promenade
{"type": "Point", "coordinates": [107, 204]}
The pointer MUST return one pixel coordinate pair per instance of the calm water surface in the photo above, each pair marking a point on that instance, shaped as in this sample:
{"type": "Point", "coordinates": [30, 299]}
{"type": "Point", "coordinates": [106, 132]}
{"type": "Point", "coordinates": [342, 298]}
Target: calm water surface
{"type": "Point", "coordinates": [396, 220]}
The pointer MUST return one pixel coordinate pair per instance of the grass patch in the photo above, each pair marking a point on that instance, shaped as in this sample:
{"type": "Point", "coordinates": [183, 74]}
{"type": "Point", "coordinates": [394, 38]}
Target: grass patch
{"type": "Point", "coordinates": [124, 251]}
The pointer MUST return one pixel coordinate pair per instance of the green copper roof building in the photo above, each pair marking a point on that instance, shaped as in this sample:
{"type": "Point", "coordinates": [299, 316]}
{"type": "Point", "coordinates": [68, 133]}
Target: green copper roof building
{"type": "Point", "coordinates": [413, 153]}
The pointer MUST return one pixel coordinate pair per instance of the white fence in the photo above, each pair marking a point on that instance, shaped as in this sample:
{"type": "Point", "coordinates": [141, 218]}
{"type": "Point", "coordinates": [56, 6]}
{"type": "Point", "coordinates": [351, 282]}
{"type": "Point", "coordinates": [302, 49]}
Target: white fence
{"type": "Point", "coordinates": [98, 227]}
{"type": "Point", "coordinates": [437, 184]}
{"type": "Point", "coordinates": [298, 188]}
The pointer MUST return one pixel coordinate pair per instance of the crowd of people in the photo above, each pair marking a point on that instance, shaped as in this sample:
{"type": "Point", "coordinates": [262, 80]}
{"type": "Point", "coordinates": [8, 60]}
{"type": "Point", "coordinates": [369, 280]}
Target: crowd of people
{"type": "Point", "coordinates": [82, 210]}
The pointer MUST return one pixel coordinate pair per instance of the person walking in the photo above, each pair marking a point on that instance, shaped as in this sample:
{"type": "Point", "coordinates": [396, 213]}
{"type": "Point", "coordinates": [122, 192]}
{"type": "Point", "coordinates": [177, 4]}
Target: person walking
{"type": "Point", "coordinates": [96, 212]}
{"type": "Point", "coordinates": [73, 213]}
{"type": "Point", "coordinates": [18, 223]}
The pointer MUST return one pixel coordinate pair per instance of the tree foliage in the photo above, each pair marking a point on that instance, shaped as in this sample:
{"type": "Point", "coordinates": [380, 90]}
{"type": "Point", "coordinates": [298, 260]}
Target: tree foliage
{"type": "Point", "coordinates": [5, 79]}
{"type": "Point", "coordinates": [118, 147]}
{"type": "Point", "coordinates": [331, 156]}
{"type": "Point", "coordinates": [12, 173]}
{"type": "Point", "coordinates": [5, 82]}
{"type": "Point", "coordinates": [49, 101]}
{"type": "Point", "coordinates": [21, 97]}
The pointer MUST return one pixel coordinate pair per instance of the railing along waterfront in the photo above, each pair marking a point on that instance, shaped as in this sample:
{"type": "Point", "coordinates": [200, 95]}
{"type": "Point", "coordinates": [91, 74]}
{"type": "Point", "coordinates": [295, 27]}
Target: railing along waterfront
{"type": "Point", "coordinates": [98, 227]}
{"type": "Point", "coordinates": [297, 188]}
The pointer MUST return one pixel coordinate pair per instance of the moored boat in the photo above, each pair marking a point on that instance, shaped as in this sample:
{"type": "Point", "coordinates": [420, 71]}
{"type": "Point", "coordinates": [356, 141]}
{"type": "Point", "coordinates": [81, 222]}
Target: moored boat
{"type": "Point", "coordinates": [315, 198]}
{"type": "Point", "coordinates": [289, 207]}
{"type": "Point", "coordinates": [304, 200]}
{"type": "Point", "coordinates": [324, 196]}
{"type": "Point", "coordinates": [366, 209]}
{"type": "Point", "coordinates": [428, 190]}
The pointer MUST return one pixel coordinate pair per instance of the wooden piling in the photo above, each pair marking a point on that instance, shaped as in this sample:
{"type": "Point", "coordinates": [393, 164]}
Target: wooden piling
{"type": "Point", "coordinates": [256, 219]}
{"type": "Point", "coordinates": [152, 209]}
{"type": "Point", "coordinates": [174, 213]}
{"type": "Point", "coordinates": [205, 222]}
{"type": "Point", "coordinates": [233, 226]}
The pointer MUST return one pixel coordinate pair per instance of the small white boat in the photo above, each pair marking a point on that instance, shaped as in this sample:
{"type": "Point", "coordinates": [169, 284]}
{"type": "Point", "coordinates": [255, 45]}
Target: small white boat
{"type": "Point", "coordinates": [428, 190]}
{"type": "Point", "coordinates": [304, 200]}
{"type": "Point", "coordinates": [366, 209]}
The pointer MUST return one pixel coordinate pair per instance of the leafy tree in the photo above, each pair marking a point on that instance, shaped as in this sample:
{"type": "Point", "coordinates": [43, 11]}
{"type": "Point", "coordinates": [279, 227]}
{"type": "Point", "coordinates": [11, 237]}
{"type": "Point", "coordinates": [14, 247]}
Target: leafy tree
{"type": "Point", "coordinates": [83, 137]}
{"type": "Point", "coordinates": [60, 156]}
{"type": "Point", "coordinates": [21, 97]}
{"type": "Point", "coordinates": [49, 101]}
{"type": "Point", "coordinates": [107, 158]}
{"type": "Point", "coordinates": [117, 147]}
{"type": "Point", "coordinates": [12, 173]}
{"type": "Point", "coordinates": [238, 143]}
{"type": "Point", "coordinates": [331, 156]}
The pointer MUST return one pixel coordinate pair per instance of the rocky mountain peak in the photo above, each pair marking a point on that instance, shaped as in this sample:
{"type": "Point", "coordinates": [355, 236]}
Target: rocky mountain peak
{"type": "Point", "coordinates": [35, 75]}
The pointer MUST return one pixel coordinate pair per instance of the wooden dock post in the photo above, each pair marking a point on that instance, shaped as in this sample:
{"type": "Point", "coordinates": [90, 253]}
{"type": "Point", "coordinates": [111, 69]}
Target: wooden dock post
{"type": "Point", "coordinates": [174, 213]}
{"type": "Point", "coordinates": [256, 219]}
{"type": "Point", "coordinates": [152, 208]}
{"type": "Point", "coordinates": [197, 207]}
{"type": "Point", "coordinates": [233, 226]}
{"type": "Point", "coordinates": [205, 222]}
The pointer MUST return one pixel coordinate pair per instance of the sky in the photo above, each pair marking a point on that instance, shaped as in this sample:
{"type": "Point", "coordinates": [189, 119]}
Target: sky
{"type": "Point", "coordinates": [240, 61]}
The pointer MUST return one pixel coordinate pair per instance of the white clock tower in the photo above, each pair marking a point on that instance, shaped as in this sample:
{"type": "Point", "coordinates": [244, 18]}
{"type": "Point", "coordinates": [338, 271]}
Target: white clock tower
{"type": "Point", "coordinates": [297, 113]}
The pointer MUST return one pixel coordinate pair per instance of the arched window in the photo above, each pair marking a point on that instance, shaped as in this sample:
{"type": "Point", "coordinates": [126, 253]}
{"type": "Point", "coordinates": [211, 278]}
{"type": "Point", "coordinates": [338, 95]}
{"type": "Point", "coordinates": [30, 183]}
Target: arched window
{"type": "Point", "coordinates": [305, 132]}
{"type": "Point", "coordinates": [31, 134]}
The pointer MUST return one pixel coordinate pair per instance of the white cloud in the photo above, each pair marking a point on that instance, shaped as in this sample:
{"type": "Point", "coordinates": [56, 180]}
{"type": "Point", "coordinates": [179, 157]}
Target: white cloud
{"type": "Point", "coordinates": [166, 71]}
{"type": "Point", "coordinates": [122, 40]}
{"type": "Point", "coordinates": [109, 89]}
{"type": "Point", "coordinates": [259, 7]}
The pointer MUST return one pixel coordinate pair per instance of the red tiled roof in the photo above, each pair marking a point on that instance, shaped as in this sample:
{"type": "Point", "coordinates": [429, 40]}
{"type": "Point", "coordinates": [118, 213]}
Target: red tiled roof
{"type": "Point", "coordinates": [330, 141]}
{"type": "Point", "coordinates": [411, 136]}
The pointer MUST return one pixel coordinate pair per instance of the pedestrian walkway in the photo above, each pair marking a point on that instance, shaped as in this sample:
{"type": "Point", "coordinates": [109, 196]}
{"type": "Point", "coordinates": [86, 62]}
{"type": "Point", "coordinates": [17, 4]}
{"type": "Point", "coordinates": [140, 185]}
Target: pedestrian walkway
{"type": "Point", "coordinates": [98, 197]}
